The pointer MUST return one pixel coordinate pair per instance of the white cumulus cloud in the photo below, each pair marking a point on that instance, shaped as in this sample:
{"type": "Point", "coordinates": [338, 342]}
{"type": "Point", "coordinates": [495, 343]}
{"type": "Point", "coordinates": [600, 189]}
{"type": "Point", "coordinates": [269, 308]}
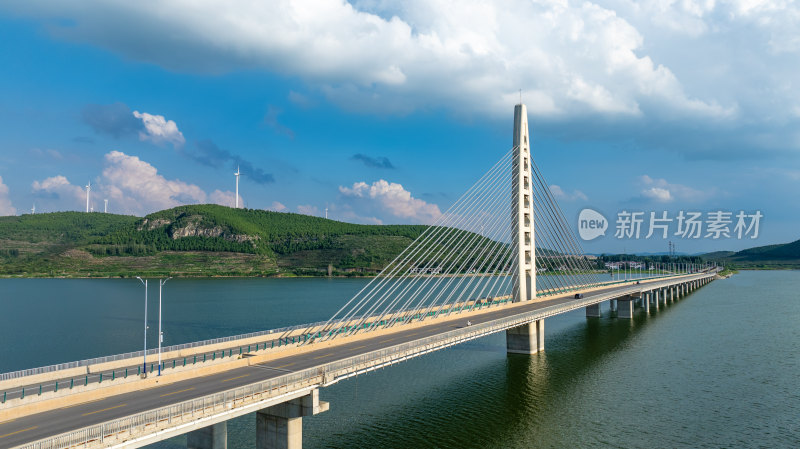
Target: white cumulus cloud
{"type": "Point", "coordinates": [658, 189]}
{"type": "Point", "coordinates": [560, 194]}
{"type": "Point", "coordinates": [658, 194]}
{"type": "Point", "coordinates": [393, 198]}
{"type": "Point", "coordinates": [5, 202]}
{"type": "Point", "coordinates": [158, 129]}
{"type": "Point", "coordinates": [137, 184]}
{"type": "Point", "coordinates": [59, 187]}
{"type": "Point", "coordinates": [226, 198]}
{"type": "Point", "coordinates": [570, 58]}
{"type": "Point", "coordinates": [131, 185]}
{"type": "Point", "coordinates": [277, 206]}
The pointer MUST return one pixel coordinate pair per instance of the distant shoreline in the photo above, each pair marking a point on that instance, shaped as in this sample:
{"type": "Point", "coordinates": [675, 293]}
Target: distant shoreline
{"type": "Point", "coordinates": [290, 275]}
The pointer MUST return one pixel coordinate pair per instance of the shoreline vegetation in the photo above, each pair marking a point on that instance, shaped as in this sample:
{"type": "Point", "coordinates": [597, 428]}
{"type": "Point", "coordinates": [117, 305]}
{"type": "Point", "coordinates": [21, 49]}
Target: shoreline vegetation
{"type": "Point", "coordinates": [211, 241]}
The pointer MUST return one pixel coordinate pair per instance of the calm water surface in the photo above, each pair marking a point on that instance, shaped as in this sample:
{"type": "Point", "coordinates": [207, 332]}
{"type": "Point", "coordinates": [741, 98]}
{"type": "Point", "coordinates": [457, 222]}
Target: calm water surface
{"type": "Point", "coordinates": [721, 368]}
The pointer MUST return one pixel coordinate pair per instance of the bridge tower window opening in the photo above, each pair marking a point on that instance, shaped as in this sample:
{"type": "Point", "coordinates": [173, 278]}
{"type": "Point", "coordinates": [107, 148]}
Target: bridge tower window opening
{"type": "Point", "coordinates": [527, 201]}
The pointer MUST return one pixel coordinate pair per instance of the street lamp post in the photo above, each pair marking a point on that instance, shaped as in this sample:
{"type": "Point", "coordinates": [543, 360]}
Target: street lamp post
{"type": "Point", "coordinates": [144, 361]}
{"type": "Point", "coordinates": [160, 334]}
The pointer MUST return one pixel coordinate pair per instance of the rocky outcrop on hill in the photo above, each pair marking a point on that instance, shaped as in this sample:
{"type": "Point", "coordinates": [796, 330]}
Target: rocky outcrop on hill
{"type": "Point", "coordinates": [195, 227]}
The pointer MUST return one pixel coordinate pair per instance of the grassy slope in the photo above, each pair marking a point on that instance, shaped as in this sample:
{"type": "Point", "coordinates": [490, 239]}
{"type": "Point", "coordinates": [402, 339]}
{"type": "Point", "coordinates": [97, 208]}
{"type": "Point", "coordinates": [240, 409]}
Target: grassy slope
{"type": "Point", "coordinates": [220, 241]}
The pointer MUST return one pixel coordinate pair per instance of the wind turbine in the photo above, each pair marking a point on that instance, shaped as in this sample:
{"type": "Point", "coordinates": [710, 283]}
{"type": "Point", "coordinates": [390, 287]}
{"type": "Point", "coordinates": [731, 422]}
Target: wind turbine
{"type": "Point", "coordinates": [326, 213]}
{"type": "Point", "coordinates": [33, 209]}
{"type": "Point", "coordinates": [88, 188]}
{"type": "Point", "coordinates": [105, 206]}
{"type": "Point", "coordinates": [237, 186]}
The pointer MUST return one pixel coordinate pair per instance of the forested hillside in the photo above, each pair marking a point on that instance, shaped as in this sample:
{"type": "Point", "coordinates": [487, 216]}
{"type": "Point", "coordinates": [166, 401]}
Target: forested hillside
{"type": "Point", "coordinates": [785, 255]}
{"type": "Point", "coordinates": [198, 240]}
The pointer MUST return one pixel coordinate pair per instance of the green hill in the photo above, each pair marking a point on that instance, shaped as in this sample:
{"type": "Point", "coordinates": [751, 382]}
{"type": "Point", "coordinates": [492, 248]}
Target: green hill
{"type": "Point", "coordinates": [199, 240]}
{"type": "Point", "coordinates": [785, 255]}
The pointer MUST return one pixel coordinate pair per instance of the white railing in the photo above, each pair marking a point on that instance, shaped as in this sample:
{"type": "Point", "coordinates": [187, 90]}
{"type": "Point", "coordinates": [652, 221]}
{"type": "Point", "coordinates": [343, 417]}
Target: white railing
{"type": "Point", "coordinates": [213, 341]}
{"type": "Point", "coordinates": [137, 354]}
{"type": "Point", "coordinates": [165, 417]}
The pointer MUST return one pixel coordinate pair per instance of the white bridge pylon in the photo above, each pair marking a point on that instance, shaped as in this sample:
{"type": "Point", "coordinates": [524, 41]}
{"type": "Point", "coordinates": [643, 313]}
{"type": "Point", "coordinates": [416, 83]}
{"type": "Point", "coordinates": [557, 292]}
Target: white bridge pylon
{"type": "Point", "coordinates": [522, 206]}
{"type": "Point", "coordinates": [474, 256]}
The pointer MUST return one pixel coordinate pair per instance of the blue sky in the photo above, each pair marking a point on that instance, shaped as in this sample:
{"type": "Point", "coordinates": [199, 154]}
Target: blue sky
{"type": "Point", "coordinates": [386, 114]}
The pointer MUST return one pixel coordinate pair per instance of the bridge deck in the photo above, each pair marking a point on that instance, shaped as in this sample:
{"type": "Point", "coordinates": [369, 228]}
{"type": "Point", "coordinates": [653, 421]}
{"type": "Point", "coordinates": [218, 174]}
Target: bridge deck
{"type": "Point", "coordinates": [53, 422]}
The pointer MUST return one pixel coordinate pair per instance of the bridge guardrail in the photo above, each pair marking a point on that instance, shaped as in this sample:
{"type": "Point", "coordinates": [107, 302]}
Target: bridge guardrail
{"type": "Point", "coordinates": [154, 351]}
{"type": "Point", "coordinates": [328, 373]}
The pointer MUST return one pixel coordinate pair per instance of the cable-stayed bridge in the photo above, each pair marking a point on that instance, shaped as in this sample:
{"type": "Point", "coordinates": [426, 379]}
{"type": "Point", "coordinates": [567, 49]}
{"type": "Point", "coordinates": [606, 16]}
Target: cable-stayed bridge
{"type": "Point", "coordinates": [502, 258]}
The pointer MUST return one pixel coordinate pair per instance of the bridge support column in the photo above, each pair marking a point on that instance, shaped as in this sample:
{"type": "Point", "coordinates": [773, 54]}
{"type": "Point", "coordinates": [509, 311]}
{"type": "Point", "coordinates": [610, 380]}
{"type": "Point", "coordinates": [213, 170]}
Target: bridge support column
{"type": "Point", "coordinates": [525, 339]}
{"type": "Point", "coordinates": [646, 299]}
{"type": "Point", "coordinates": [593, 311]}
{"type": "Point", "coordinates": [625, 307]}
{"type": "Point", "coordinates": [612, 304]}
{"type": "Point", "coordinates": [281, 426]}
{"type": "Point", "coordinates": [211, 437]}
{"type": "Point", "coordinates": [658, 299]}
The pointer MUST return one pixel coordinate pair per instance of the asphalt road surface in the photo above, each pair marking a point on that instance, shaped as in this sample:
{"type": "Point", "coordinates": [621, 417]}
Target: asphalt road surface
{"type": "Point", "coordinates": [46, 424]}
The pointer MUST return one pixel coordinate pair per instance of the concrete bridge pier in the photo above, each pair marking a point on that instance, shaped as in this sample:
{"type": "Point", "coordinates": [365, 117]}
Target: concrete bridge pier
{"type": "Point", "coordinates": [281, 426]}
{"type": "Point", "coordinates": [593, 311]}
{"type": "Point", "coordinates": [646, 301]}
{"type": "Point", "coordinates": [612, 304]}
{"type": "Point", "coordinates": [526, 339]}
{"type": "Point", "coordinates": [656, 298]}
{"type": "Point", "coordinates": [625, 307]}
{"type": "Point", "coordinates": [211, 437]}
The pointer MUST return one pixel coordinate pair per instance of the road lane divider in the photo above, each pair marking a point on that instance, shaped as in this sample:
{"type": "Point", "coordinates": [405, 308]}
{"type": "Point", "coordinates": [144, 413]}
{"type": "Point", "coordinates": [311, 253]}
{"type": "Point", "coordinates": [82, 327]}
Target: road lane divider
{"type": "Point", "coordinates": [104, 410]}
{"type": "Point", "coordinates": [176, 392]}
{"type": "Point", "coordinates": [18, 431]}
{"type": "Point", "coordinates": [234, 378]}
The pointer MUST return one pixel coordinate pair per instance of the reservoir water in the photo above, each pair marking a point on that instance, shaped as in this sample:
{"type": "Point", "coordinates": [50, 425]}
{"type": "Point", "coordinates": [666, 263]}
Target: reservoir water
{"type": "Point", "coordinates": [720, 368]}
